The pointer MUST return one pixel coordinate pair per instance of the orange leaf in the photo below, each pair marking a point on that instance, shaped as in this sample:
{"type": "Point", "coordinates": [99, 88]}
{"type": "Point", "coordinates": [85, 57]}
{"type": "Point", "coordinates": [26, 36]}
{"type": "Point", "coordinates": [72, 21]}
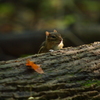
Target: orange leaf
{"type": "Point", "coordinates": [36, 67]}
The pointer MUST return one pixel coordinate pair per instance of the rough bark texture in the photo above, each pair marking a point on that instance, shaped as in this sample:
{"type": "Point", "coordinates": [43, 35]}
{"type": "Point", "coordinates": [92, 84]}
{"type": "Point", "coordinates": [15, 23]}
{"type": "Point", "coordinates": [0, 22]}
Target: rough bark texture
{"type": "Point", "coordinates": [72, 73]}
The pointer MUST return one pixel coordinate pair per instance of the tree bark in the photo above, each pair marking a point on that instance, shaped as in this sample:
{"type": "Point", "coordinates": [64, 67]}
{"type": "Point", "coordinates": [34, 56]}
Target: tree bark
{"type": "Point", "coordinates": [72, 73]}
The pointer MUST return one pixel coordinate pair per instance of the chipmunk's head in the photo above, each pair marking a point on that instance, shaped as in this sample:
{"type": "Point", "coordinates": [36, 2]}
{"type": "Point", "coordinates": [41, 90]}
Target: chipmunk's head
{"type": "Point", "coordinates": [53, 37]}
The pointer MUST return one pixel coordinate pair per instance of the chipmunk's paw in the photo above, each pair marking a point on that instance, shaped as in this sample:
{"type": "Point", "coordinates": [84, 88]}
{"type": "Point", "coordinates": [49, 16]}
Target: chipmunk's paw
{"type": "Point", "coordinates": [51, 50]}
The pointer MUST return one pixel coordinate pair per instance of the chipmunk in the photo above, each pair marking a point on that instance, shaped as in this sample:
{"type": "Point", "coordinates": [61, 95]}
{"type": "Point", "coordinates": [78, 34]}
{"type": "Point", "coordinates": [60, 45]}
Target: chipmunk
{"type": "Point", "coordinates": [53, 41]}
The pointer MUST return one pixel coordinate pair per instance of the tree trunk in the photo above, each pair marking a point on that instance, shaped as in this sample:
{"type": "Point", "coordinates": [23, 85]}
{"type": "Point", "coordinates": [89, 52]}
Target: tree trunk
{"type": "Point", "coordinates": [72, 73]}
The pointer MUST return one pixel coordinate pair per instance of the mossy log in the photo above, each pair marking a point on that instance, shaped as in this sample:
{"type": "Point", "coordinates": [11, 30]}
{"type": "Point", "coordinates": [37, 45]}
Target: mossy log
{"type": "Point", "coordinates": [72, 73]}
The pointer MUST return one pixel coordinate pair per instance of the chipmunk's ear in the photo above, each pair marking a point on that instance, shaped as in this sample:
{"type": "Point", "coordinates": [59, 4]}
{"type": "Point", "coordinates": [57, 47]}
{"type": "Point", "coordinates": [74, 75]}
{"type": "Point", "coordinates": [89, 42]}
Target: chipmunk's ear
{"type": "Point", "coordinates": [47, 33]}
{"type": "Point", "coordinates": [55, 31]}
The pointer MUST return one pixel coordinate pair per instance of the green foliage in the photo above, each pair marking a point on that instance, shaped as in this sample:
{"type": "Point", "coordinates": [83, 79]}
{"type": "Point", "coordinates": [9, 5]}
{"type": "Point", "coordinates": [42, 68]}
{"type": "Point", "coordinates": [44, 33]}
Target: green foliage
{"type": "Point", "coordinates": [91, 5]}
{"type": "Point", "coordinates": [47, 14]}
{"type": "Point", "coordinates": [6, 8]}
{"type": "Point", "coordinates": [69, 19]}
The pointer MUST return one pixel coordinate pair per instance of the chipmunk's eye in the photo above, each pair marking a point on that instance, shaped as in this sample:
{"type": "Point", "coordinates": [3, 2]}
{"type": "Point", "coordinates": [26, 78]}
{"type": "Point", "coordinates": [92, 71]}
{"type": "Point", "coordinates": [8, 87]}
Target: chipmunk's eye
{"type": "Point", "coordinates": [53, 36]}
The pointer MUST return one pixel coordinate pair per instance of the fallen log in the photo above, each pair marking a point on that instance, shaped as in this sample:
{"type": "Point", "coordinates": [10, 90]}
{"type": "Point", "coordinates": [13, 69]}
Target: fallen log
{"type": "Point", "coordinates": [72, 73]}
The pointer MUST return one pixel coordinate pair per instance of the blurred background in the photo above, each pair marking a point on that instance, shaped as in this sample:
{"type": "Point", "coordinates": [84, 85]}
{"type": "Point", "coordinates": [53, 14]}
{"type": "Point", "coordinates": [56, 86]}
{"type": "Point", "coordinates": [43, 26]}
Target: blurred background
{"type": "Point", "coordinates": [23, 24]}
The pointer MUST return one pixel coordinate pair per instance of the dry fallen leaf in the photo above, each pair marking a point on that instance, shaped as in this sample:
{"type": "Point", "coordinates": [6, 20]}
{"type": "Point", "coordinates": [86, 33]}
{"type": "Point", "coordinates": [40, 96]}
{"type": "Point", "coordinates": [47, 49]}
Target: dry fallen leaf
{"type": "Point", "coordinates": [36, 67]}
